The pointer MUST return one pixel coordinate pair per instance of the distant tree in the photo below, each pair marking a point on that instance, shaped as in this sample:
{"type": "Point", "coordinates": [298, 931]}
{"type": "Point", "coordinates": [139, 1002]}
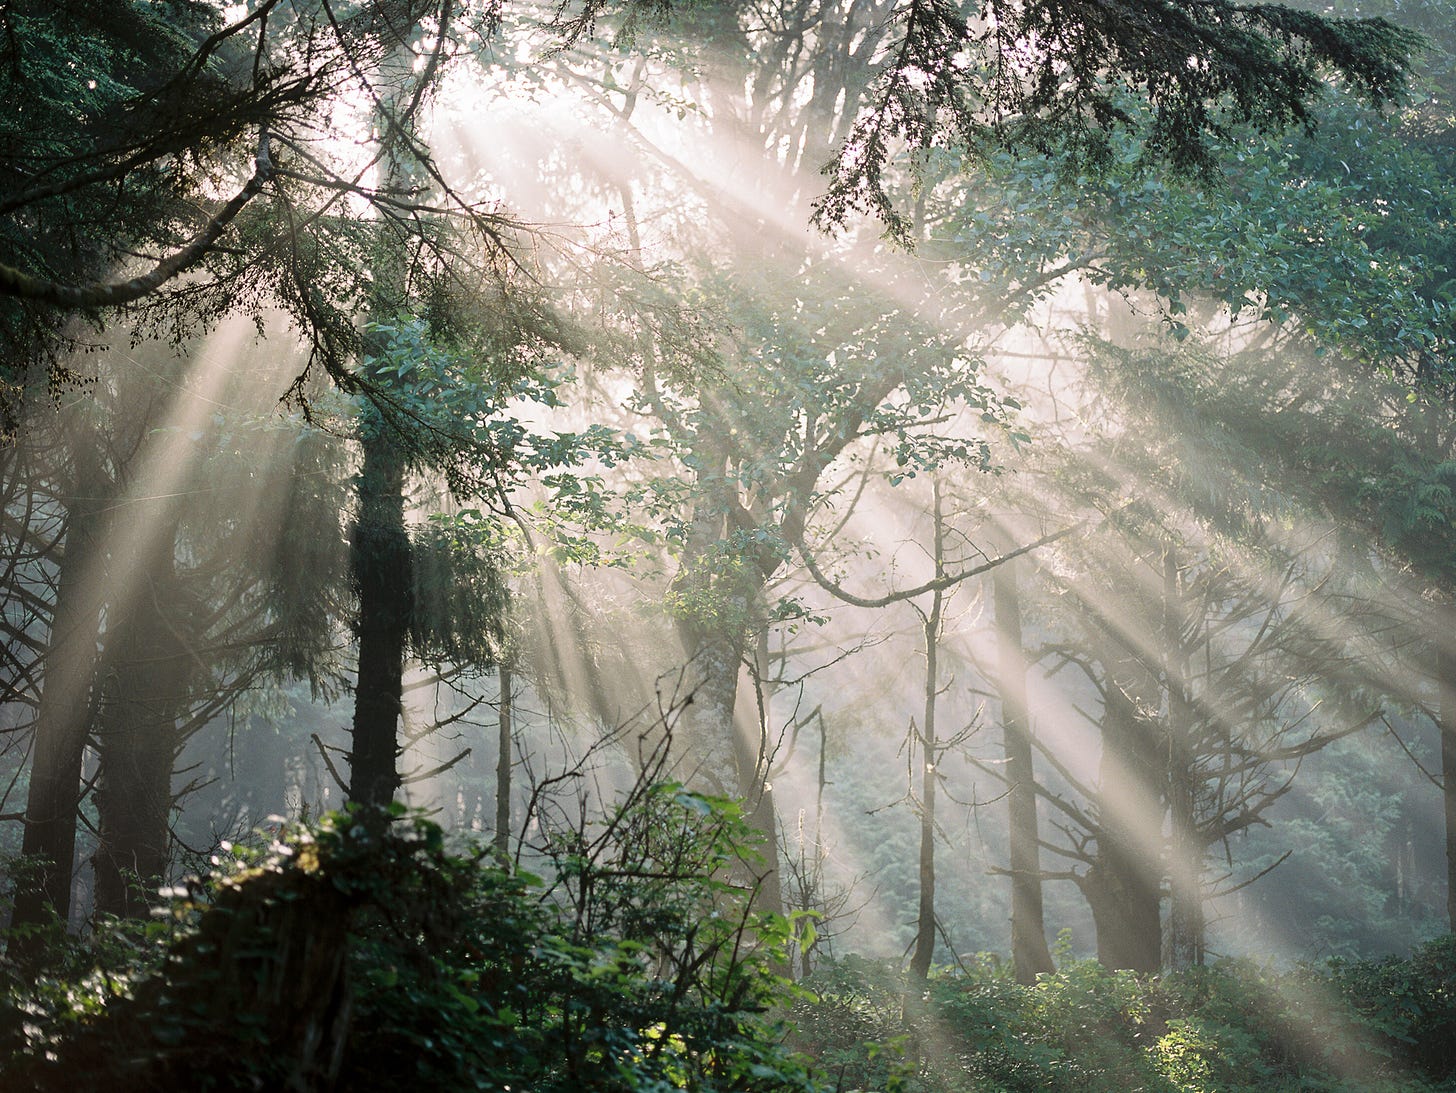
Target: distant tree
{"type": "Point", "coordinates": [1356, 450]}
{"type": "Point", "coordinates": [1345, 241]}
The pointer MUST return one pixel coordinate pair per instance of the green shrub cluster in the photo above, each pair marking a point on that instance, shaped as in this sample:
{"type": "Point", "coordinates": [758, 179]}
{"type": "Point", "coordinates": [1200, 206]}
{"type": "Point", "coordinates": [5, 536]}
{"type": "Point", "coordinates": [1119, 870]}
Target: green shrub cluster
{"type": "Point", "coordinates": [1235, 1027]}
{"type": "Point", "coordinates": [363, 954]}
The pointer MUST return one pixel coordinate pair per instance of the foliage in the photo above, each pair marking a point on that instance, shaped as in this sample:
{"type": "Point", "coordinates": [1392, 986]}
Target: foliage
{"type": "Point", "coordinates": [1365, 879]}
{"type": "Point", "coordinates": [343, 953]}
{"type": "Point", "coordinates": [140, 113]}
{"type": "Point", "coordinates": [1231, 1028]}
{"type": "Point", "coordinates": [1409, 1005]}
{"type": "Point", "coordinates": [465, 410]}
{"type": "Point", "coordinates": [461, 973]}
{"type": "Point", "coordinates": [76, 78]}
{"type": "Point", "coordinates": [1056, 74]}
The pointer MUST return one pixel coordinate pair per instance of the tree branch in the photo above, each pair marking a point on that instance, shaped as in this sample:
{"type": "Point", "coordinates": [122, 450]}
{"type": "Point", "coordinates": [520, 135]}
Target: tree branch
{"type": "Point", "coordinates": [14, 282]}
{"type": "Point", "coordinates": [939, 584]}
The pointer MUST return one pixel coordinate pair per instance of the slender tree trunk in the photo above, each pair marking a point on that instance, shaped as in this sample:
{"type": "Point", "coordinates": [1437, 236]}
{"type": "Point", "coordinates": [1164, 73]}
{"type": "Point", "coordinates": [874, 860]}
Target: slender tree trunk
{"type": "Point", "coordinates": [925, 924]}
{"type": "Point", "coordinates": [1029, 952]}
{"type": "Point", "coordinates": [815, 898]}
{"type": "Point", "coordinates": [503, 766]}
{"type": "Point", "coordinates": [1446, 718]}
{"type": "Point", "coordinates": [64, 717]}
{"type": "Point", "coordinates": [1185, 945]}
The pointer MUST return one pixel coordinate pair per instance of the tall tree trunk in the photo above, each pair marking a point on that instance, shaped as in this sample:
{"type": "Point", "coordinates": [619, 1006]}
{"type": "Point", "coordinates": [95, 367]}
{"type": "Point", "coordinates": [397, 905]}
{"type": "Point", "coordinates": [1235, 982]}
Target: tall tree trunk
{"type": "Point", "coordinates": [380, 548]}
{"type": "Point", "coordinates": [503, 766]}
{"type": "Point", "coordinates": [758, 786]}
{"type": "Point", "coordinates": [724, 745]}
{"type": "Point", "coordinates": [1185, 940]}
{"type": "Point", "coordinates": [925, 924]}
{"type": "Point", "coordinates": [763, 818]}
{"type": "Point", "coordinates": [814, 896]}
{"type": "Point", "coordinates": [1123, 885]}
{"type": "Point", "coordinates": [751, 763]}
{"type": "Point", "coordinates": [143, 691]}
{"type": "Point", "coordinates": [1029, 952]}
{"type": "Point", "coordinates": [724, 749]}
{"type": "Point", "coordinates": [64, 718]}
{"type": "Point", "coordinates": [380, 555]}
{"type": "Point", "coordinates": [1446, 718]}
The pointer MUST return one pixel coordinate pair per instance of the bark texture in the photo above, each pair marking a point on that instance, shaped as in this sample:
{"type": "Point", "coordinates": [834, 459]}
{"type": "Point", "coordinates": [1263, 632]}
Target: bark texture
{"type": "Point", "coordinates": [1185, 935]}
{"type": "Point", "coordinates": [505, 739]}
{"type": "Point", "coordinates": [1446, 712]}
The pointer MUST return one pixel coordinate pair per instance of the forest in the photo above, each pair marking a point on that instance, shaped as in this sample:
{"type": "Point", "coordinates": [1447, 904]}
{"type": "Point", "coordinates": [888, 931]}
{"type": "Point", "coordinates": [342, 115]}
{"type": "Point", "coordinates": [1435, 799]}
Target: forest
{"type": "Point", "coordinates": [794, 545]}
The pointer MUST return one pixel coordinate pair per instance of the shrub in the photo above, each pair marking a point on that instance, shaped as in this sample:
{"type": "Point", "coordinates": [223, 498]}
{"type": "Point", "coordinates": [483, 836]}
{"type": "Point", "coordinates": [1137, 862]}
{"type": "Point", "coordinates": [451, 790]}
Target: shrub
{"type": "Point", "coordinates": [1234, 1027]}
{"type": "Point", "coordinates": [1408, 1006]}
{"type": "Point", "coordinates": [363, 952]}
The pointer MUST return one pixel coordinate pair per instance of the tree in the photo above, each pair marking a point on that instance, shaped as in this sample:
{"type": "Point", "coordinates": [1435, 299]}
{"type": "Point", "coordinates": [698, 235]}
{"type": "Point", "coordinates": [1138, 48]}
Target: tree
{"type": "Point", "coordinates": [63, 707]}
{"type": "Point", "coordinates": [1029, 953]}
{"type": "Point", "coordinates": [380, 549]}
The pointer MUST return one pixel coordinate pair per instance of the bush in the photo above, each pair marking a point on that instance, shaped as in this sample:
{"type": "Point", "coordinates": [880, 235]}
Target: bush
{"type": "Point", "coordinates": [363, 953]}
{"type": "Point", "coordinates": [1408, 1006]}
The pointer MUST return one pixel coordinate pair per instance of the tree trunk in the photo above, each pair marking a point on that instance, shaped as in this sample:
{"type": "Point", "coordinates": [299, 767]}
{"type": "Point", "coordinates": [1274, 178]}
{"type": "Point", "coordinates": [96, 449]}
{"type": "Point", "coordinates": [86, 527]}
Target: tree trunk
{"type": "Point", "coordinates": [724, 746]}
{"type": "Point", "coordinates": [1446, 717]}
{"type": "Point", "coordinates": [143, 691]}
{"type": "Point", "coordinates": [814, 895]}
{"type": "Point", "coordinates": [380, 554]}
{"type": "Point", "coordinates": [724, 750]}
{"type": "Point", "coordinates": [925, 924]}
{"type": "Point", "coordinates": [503, 768]}
{"type": "Point", "coordinates": [751, 762]}
{"type": "Point", "coordinates": [64, 717]}
{"type": "Point", "coordinates": [380, 549]}
{"type": "Point", "coordinates": [1185, 941]}
{"type": "Point", "coordinates": [1123, 885]}
{"type": "Point", "coordinates": [1029, 952]}
{"type": "Point", "coordinates": [763, 818]}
